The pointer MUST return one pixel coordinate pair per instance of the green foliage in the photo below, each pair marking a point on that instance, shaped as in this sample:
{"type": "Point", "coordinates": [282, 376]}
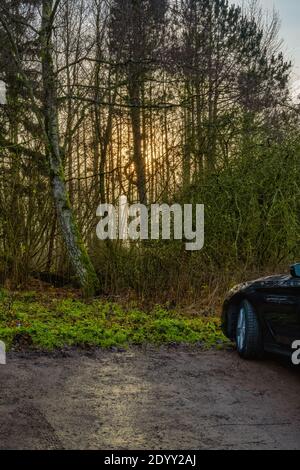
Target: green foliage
{"type": "Point", "coordinates": [252, 227]}
{"type": "Point", "coordinates": [54, 323]}
{"type": "Point", "coordinates": [252, 209]}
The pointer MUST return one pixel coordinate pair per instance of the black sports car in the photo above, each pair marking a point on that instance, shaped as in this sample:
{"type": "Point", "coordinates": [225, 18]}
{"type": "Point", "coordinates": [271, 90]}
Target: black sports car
{"type": "Point", "coordinates": [264, 315]}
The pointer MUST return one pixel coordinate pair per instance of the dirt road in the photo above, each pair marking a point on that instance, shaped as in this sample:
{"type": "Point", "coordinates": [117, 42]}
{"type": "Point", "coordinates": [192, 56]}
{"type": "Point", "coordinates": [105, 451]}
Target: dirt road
{"type": "Point", "coordinates": [152, 399]}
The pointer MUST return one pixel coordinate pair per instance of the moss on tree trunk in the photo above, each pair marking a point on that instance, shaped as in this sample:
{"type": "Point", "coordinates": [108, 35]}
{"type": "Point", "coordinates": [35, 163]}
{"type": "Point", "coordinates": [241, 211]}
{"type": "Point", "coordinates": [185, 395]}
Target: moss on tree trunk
{"type": "Point", "coordinates": [77, 253]}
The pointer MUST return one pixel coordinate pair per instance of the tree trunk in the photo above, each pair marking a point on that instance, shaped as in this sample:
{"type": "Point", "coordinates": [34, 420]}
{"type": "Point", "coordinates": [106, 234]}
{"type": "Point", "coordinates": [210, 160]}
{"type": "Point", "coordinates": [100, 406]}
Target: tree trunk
{"type": "Point", "coordinates": [79, 258]}
{"type": "Point", "coordinates": [139, 163]}
{"type": "Point", "coordinates": [187, 157]}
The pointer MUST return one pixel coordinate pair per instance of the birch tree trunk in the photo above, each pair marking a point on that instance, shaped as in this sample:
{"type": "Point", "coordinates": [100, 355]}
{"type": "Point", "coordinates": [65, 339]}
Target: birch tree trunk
{"type": "Point", "coordinates": [78, 256]}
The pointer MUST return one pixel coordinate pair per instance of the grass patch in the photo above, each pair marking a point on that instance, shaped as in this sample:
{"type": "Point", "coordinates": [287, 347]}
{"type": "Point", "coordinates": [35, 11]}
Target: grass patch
{"type": "Point", "coordinates": [31, 320]}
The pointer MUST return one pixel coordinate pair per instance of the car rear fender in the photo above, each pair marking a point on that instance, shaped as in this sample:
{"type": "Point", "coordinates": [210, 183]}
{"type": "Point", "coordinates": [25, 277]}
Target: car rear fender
{"type": "Point", "coordinates": [231, 313]}
{"type": "Point", "coordinates": [230, 316]}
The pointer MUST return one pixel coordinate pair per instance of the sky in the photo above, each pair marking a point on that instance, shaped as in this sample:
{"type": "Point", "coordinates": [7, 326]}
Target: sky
{"type": "Point", "coordinates": [289, 12]}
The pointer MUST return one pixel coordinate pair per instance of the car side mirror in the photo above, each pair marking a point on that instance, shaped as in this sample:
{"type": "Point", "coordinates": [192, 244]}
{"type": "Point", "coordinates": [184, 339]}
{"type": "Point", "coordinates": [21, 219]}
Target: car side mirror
{"type": "Point", "coordinates": [295, 270]}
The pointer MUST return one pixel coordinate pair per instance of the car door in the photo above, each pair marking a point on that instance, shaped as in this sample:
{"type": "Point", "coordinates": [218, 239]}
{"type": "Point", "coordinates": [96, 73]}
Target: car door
{"type": "Point", "coordinates": [281, 310]}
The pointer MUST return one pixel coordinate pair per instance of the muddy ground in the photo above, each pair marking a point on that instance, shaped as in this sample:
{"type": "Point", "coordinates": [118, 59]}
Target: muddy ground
{"type": "Point", "coordinates": [150, 399]}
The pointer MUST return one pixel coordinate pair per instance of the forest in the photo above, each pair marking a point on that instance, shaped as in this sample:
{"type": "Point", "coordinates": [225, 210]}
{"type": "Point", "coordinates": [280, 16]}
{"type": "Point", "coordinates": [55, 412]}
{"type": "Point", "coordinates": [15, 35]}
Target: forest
{"type": "Point", "coordinates": [164, 101]}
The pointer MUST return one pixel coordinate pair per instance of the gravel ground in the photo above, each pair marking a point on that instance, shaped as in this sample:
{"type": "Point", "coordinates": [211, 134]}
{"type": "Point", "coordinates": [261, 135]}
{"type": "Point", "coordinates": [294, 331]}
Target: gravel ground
{"type": "Point", "coordinates": [148, 399]}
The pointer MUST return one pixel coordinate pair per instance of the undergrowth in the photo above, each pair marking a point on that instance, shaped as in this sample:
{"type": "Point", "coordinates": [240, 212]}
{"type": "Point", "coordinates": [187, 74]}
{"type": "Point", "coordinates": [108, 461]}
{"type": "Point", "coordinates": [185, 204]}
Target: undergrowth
{"type": "Point", "coordinates": [36, 321]}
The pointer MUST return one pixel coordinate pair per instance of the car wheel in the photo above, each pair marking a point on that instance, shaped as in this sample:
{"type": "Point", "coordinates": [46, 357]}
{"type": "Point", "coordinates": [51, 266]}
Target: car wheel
{"type": "Point", "coordinates": [248, 333]}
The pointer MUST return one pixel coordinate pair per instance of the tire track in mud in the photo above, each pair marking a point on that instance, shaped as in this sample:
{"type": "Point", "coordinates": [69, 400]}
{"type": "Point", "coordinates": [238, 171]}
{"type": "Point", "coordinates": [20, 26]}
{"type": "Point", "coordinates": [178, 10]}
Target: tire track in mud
{"type": "Point", "coordinates": [46, 436]}
{"type": "Point", "coordinates": [33, 429]}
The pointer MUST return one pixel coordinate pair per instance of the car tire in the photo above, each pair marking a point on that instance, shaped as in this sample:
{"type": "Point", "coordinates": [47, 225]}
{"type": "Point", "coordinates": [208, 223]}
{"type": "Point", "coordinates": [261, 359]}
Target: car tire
{"type": "Point", "coordinates": [231, 321]}
{"type": "Point", "coordinates": [248, 333]}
